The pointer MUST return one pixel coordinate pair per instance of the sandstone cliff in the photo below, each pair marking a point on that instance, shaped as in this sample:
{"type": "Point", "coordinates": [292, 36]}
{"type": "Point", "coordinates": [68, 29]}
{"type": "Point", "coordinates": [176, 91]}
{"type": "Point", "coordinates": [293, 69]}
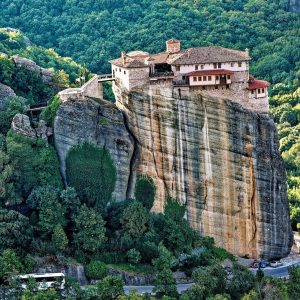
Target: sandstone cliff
{"type": "Point", "coordinates": [220, 159]}
{"type": "Point", "coordinates": [100, 123]}
{"type": "Point", "coordinates": [217, 157]}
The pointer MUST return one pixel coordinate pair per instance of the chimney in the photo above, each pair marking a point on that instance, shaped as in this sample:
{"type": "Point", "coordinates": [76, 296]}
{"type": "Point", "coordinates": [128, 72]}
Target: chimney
{"type": "Point", "coordinates": [188, 53]}
{"type": "Point", "coordinates": [247, 52]}
{"type": "Point", "coordinates": [123, 56]}
{"type": "Point", "coordinates": [172, 46]}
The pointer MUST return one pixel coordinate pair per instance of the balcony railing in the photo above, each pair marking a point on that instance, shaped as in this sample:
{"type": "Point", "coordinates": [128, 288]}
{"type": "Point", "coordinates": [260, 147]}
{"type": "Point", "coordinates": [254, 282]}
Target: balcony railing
{"type": "Point", "coordinates": [161, 74]}
{"type": "Point", "coordinates": [182, 82]}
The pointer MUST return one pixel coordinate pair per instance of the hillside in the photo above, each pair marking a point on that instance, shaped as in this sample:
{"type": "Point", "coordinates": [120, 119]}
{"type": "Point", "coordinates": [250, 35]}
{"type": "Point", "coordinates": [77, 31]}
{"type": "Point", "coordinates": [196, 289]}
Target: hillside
{"type": "Point", "coordinates": [94, 31]}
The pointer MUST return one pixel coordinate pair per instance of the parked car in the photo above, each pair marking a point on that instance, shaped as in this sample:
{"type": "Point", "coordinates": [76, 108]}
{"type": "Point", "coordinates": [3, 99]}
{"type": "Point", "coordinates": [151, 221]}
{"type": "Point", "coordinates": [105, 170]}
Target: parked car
{"type": "Point", "coordinates": [275, 264]}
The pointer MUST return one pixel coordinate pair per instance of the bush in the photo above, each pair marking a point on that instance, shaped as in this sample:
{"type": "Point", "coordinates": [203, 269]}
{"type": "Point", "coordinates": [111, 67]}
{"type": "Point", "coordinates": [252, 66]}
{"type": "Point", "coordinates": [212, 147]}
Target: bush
{"type": "Point", "coordinates": [96, 183]}
{"type": "Point", "coordinates": [133, 256]}
{"type": "Point", "coordinates": [96, 269]}
{"type": "Point", "coordinates": [35, 164]}
{"type": "Point", "coordinates": [49, 113]}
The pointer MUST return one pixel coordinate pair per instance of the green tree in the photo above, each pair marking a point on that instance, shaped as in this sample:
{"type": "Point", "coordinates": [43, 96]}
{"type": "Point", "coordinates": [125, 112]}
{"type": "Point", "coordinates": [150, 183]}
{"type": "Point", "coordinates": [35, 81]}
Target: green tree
{"type": "Point", "coordinates": [241, 282]}
{"type": "Point", "coordinates": [59, 240]}
{"type": "Point", "coordinates": [96, 270]}
{"type": "Point", "coordinates": [134, 220]}
{"type": "Point", "coordinates": [89, 235]}
{"type": "Point", "coordinates": [133, 256]}
{"type": "Point", "coordinates": [294, 283]}
{"type": "Point", "coordinates": [110, 288]}
{"type": "Point", "coordinates": [212, 279]}
{"type": "Point", "coordinates": [34, 163]}
{"type": "Point", "coordinates": [50, 211]}
{"type": "Point", "coordinates": [15, 230]}
{"type": "Point", "coordinates": [13, 106]}
{"type": "Point", "coordinates": [70, 201]}
{"type": "Point", "coordinates": [8, 193]}
{"type": "Point", "coordinates": [10, 264]}
{"type": "Point", "coordinates": [165, 259]}
{"type": "Point", "coordinates": [6, 70]}
{"type": "Point", "coordinates": [145, 191]}
{"type": "Point", "coordinates": [165, 284]}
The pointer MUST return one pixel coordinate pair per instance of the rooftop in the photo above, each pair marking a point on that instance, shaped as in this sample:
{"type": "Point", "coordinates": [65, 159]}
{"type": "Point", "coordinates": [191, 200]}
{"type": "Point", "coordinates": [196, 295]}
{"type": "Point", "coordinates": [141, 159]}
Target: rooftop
{"type": "Point", "coordinates": [208, 55]}
{"type": "Point", "coordinates": [210, 72]}
{"type": "Point", "coordinates": [256, 84]}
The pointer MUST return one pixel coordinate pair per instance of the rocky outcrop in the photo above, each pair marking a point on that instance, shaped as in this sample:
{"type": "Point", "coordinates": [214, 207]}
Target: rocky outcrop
{"type": "Point", "coordinates": [100, 123]}
{"type": "Point", "coordinates": [21, 124]}
{"type": "Point", "coordinates": [32, 66]}
{"type": "Point", "coordinates": [218, 158]}
{"type": "Point", "coordinates": [5, 93]}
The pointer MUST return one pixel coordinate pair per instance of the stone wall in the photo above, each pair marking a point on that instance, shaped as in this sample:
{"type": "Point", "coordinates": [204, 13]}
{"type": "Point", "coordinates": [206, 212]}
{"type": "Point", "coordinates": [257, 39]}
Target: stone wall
{"type": "Point", "coordinates": [93, 88]}
{"type": "Point", "coordinates": [101, 124]}
{"type": "Point", "coordinates": [218, 158]}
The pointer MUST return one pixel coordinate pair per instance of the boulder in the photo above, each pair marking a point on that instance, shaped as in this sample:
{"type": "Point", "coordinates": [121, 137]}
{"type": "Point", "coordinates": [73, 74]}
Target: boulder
{"type": "Point", "coordinates": [5, 93]}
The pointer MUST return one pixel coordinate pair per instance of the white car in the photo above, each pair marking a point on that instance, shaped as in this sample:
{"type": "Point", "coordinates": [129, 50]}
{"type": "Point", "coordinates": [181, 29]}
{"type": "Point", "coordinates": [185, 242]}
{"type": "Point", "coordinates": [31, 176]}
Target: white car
{"type": "Point", "coordinates": [275, 264]}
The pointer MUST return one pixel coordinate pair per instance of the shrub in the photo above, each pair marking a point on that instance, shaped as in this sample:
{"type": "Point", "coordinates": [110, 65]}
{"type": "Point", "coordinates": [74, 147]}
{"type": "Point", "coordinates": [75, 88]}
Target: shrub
{"type": "Point", "coordinates": [35, 164]}
{"type": "Point", "coordinates": [49, 113]}
{"type": "Point", "coordinates": [133, 256]}
{"type": "Point", "coordinates": [96, 269]}
{"type": "Point", "coordinates": [145, 191]}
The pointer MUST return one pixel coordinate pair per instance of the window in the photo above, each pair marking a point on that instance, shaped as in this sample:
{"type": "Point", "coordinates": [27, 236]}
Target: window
{"type": "Point", "coordinates": [119, 69]}
{"type": "Point", "coordinates": [177, 68]}
{"type": "Point", "coordinates": [217, 77]}
{"type": "Point", "coordinates": [202, 67]}
{"type": "Point", "coordinates": [216, 87]}
{"type": "Point", "coordinates": [195, 78]}
{"type": "Point", "coordinates": [204, 78]}
{"type": "Point", "coordinates": [199, 78]}
{"type": "Point", "coordinates": [227, 86]}
{"type": "Point", "coordinates": [209, 78]}
{"type": "Point", "coordinates": [262, 90]}
{"type": "Point", "coordinates": [124, 72]}
{"type": "Point", "coordinates": [196, 67]}
{"type": "Point", "coordinates": [240, 64]}
{"type": "Point", "coordinates": [219, 65]}
{"type": "Point", "coordinates": [215, 65]}
{"type": "Point", "coordinates": [252, 92]}
{"type": "Point", "coordinates": [228, 77]}
{"type": "Point", "coordinates": [232, 64]}
{"type": "Point", "coordinates": [259, 91]}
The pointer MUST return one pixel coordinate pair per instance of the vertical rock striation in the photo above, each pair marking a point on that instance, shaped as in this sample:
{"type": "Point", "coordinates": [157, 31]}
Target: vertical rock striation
{"type": "Point", "coordinates": [217, 157]}
{"type": "Point", "coordinates": [99, 123]}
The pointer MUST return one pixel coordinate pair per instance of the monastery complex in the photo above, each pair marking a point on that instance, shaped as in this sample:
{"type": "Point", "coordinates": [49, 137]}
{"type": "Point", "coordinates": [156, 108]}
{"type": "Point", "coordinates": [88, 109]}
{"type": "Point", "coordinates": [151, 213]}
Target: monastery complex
{"type": "Point", "coordinates": [214, 71]}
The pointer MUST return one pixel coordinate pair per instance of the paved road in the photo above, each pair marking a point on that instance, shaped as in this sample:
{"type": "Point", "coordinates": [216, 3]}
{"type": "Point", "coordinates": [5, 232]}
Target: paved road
{"type": "Point", "coordinates": [277, 272]}
{"type": "Point", "coordinates": [274, 272]}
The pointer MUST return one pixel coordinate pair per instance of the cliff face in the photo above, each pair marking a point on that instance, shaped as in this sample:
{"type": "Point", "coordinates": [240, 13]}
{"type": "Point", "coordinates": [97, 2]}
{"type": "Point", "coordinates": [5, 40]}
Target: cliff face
{"type": "Point", "coordinates": [101, 124]}
{"type": "Point", "coordinates": [219, 159]}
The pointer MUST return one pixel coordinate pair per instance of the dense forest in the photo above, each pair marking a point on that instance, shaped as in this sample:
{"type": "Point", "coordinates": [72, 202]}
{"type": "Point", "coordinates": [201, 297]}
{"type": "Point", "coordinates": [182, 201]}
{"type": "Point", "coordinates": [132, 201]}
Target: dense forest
{"type": "Point", "coordinates": [76, 221]}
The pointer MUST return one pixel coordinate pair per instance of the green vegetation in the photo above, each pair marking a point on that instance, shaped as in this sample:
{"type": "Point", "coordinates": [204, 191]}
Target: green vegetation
{"type": "Point", "coordinates": [285, 108]}
{"type": "Point", "coordinates": [49, 113]}
{"type": "Point", "coordinates": [98, 174]}
{"type": "Point", "coordinates": [96, 270]}
{"type": "Point", "coordinates": [145, 190]}
{"type": "Point", "coordinates": [33, 163]}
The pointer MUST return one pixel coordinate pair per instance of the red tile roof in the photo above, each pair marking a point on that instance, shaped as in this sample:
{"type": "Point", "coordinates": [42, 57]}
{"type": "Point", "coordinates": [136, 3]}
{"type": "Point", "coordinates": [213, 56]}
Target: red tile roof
{"type": "Point", "coordinates": [210, 72]}
{"type": "Point", "coordinates": [257, 84]}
